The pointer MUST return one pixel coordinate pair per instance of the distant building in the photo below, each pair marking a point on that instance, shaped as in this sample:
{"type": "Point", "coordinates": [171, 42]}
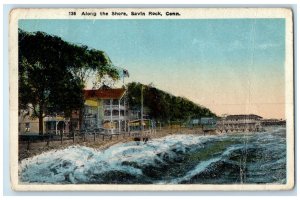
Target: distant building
{"type": "Point", "coordinates": [105, 107]}
{"type": "Point", "coordinates": [208, 121]}
{"type": "Point", "coordinates": [240, 122]}
{"type": "Point", "coordinates": [273, 122]}
{"type": "Point", "coordinates": [239, 119]}
{"type": "Point", "coordinates": [242, 118]}
{"type": "Point", "coordinates": [203, 121]}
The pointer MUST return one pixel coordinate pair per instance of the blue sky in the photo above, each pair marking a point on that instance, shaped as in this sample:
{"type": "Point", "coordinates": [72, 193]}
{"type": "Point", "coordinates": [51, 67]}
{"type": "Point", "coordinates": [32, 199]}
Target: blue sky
{"type": "Point", "coordinates": [228, 65]}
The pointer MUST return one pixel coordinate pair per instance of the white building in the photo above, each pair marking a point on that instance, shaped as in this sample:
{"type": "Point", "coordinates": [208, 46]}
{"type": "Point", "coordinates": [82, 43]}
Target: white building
{"type": "Point", "coordinates": [105, 107]}
{"type": "Point", "coordinates": [240, 122]}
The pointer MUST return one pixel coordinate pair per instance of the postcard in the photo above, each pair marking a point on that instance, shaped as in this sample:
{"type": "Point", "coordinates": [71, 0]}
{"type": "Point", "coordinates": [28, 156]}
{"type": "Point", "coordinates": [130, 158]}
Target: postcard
{"type": "Point", "coordinates": [151, 99]}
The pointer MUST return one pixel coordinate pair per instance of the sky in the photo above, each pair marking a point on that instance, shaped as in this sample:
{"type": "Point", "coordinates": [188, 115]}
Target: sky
{"type": "Point", "coordinates": [231, 66]}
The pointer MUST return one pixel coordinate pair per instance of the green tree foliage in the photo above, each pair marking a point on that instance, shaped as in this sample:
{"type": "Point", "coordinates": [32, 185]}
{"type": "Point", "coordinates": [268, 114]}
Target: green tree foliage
{"type": "Point", "coordinates": [164, 106]}
{"type": "Point", "coordinates": [52, 73]}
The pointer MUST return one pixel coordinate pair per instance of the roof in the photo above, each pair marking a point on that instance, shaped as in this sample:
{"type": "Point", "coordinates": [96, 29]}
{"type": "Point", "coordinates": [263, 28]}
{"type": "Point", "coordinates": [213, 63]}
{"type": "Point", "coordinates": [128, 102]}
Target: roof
{"type": "Point", "coordinates": [251, 116]}
{"type": "Point", "coordinates": [206, 120]}
{"type": "Point", "coordinates": [108, 93]}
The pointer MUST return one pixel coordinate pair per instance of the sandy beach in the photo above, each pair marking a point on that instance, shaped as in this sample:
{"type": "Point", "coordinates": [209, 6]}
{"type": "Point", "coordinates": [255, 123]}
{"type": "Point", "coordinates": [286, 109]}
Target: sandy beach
{"type": "Point", "coordinates": [36, 148]}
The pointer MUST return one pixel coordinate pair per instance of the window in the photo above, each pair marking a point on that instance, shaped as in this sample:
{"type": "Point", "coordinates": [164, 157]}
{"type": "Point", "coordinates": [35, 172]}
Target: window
{"type": "Point", "coordinates": [106, 101]}
{"type": "Point", "coordinates": [115, 112]}
{"type": "Point", "coordinates": [27, 127]}
{"type": "Point", "coordinates": [115, 102]}
{"type": "Point", "coordinates": [106, 113]}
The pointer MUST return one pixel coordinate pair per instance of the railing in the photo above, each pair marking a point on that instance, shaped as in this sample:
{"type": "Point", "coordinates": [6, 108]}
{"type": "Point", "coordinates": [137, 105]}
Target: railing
{"type": "Point", "coordinates": [55, 118]}
{"type": "Point", "coordinates": [115, 107]}
{"type": "Point", "coordinates": [115, 117]}
{"type": "Point", "coordinates": [145, 133]}
{"type": "Point", "coordinates": [237, 122]}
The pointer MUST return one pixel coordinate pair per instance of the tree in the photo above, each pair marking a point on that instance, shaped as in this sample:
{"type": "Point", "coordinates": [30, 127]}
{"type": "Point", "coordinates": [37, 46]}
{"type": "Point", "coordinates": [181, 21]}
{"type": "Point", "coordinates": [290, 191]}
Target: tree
{"type": "Point", "coordinates": [52, 73]}
{"type": "Point", "coordinates": [164, 106]}
{"type": "Point", "coordinates": [85, 63]}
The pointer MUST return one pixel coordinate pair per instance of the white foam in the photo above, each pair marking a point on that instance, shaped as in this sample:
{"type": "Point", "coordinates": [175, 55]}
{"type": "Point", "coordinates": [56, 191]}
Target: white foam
{"type": "Point", "coordinates": [78, 163]}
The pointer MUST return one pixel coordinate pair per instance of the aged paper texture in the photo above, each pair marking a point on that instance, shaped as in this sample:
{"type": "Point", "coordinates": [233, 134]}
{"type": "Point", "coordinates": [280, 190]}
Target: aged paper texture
{"type": "Point", "coordinates": [151, 99]}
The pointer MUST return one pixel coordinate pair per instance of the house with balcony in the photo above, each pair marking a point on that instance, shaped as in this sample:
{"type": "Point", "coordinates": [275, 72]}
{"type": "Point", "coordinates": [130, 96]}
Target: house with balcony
{"type": "Point", "coordinates": [105, 108]}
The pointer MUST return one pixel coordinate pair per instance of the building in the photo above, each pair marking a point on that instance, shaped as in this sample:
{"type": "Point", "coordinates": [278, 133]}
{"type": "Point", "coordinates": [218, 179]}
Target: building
{"type": "Point", "coordinates": [203, 121]}
{"type": "Point", "coordinates": [55, 124]}
{"type": "Point", "coordinates": [27, 124]}
{"type": "Point", "coordinates": [208, 121]}
{"type": "Point", "coordinates": [105, 108]}
{"type": "Point", "coordinates": [242, 118]}
{"type": "Point", "coordinates": [273, 122]}
{"type": "Point", "coordinates": [240, 122]}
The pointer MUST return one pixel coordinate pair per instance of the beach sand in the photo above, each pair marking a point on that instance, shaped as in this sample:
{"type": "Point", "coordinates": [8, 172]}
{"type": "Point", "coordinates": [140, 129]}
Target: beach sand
{"type": "Point", "coordinates": [36, 148]}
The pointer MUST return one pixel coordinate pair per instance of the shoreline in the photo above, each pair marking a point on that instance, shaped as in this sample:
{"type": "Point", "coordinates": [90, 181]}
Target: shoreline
{"type": "Point", "coordinates": [40, 147]}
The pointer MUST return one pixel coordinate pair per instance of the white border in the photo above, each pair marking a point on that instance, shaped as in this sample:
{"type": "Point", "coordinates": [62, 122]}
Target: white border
{"type": "Point", "coordinates": [187, 13]}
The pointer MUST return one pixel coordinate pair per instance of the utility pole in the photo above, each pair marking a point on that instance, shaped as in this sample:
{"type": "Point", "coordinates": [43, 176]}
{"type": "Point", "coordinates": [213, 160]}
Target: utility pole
{"type": "Point", "coordinates": [142, 110]}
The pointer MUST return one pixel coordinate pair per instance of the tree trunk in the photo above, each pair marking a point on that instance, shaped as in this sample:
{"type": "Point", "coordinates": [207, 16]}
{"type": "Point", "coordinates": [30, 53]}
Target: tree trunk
{"type": "Point", "coordinates": [40, 115]}
{"type": "Point", "coordinates": [41, 125]}
{"type": "Point", "coordinates": [80, 118]}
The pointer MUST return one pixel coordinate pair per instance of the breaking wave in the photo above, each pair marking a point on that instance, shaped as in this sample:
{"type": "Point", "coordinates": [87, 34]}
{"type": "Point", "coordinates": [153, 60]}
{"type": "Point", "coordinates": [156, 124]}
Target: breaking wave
{"type": "Point", "coordinates": [175, 159]}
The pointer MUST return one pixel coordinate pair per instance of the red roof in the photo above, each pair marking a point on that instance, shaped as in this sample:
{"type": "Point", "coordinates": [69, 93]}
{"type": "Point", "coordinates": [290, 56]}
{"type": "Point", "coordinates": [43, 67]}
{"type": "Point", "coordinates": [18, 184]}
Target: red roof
{"type": "Point", "coordinates": [115, 93]}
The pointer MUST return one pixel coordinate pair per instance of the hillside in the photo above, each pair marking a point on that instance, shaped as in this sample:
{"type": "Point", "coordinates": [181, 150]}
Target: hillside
{"type": "Point", "coordinates": [163, 106]}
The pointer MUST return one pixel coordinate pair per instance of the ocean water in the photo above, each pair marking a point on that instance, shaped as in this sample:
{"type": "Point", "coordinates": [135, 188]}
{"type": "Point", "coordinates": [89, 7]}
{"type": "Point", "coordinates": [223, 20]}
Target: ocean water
{"type": "Point", "coordinates": [239, 158]}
